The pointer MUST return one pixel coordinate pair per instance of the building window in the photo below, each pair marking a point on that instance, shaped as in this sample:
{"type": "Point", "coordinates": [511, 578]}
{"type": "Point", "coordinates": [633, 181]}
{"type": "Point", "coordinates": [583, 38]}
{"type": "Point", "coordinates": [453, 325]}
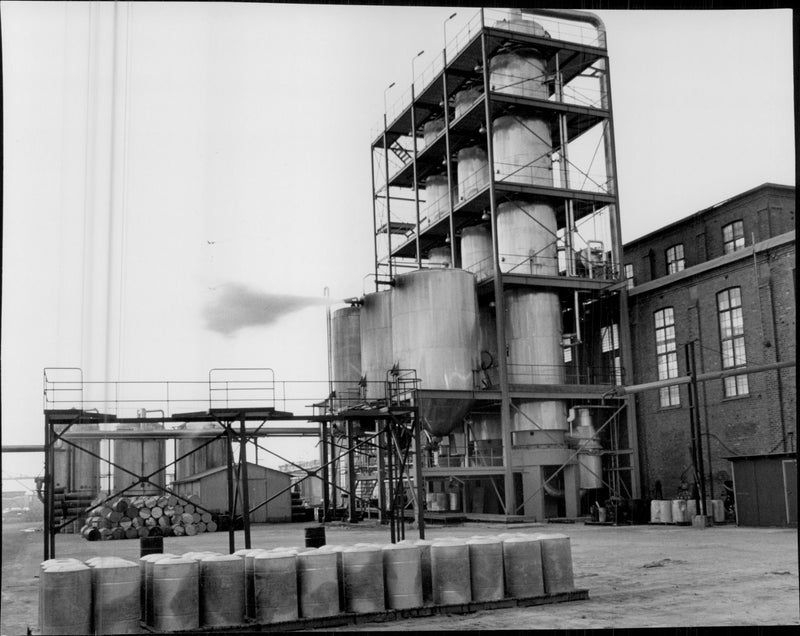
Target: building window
{"type": "Point", "coordinates": [731, 333]}
{"type": "Point", "coordinates": [667, 356]}
{"type": "Point", "coordinates": [629, 274]}
{"type": "Point", "coordinates": [609, 343]}
{"type": "Point", "coordinates": [733, 237]}
{"type": "Point", "coordinates": [566, 346]}
{"type": "Point", "coordinates": [675, 259]}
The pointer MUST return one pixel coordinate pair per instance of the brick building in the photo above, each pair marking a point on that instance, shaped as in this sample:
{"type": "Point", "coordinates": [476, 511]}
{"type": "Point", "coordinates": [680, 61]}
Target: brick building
{"type": "Point", "coordinates": [724, 277]}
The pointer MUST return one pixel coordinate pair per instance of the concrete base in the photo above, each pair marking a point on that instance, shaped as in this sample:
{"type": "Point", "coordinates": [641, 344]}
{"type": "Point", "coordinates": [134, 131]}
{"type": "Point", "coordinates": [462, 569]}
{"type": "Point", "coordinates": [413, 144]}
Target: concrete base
{"type": "Point", "coordinates": [702, 521]}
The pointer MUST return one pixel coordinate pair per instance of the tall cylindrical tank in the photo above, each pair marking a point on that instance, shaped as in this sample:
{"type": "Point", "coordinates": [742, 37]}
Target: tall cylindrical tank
{"type": "Point", "coordinates": [431, 130]}
{"type": "Point", "coordinates": [590, 458]}
{"type": "Point", "coordinates": [440, 256]}
{"type": "Point", "coordinates": [464, 99]}
{"type": "Point", "coordinates": [74, 469]}
{"type": "Point", "coordinates": [205, 453]}
{"type": "Point", "coordinates": [473, 171]}
{"type": "Point", "coordinates": [520, 72]}
{"type": "Point", "coordinates": [376, 342]}
{"type": "Point", "coordinates": [436, 202]}
{"type": "Point", "coordinates": [434, 331]}
{"type": "Point", "coordinates": [533, 330]}
{"type": "Point", "coordinates": [526, 238]}
{"type": "Point", "coordinates": [140, 456]}
{"type": "Point", "coordinates": [346, 353]}
{"type": "Point", "coordinates": [522, 147]}
{"type": "Point", "coordinates": [476, 250]}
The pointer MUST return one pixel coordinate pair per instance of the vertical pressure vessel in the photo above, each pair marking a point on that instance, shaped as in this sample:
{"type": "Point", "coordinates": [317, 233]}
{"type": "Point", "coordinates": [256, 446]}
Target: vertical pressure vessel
{"type": "Point", "coordinates": [402, 567]}
{"type": "Point", "coordinates": [522, 150]}
{"type": "Point", "coordinates": [431, 130]}
{"type": "Point", "coordinates": [520, 72]}
{"type": "Point", "coordinates": [476, 250]}
{"type": "Point", "coordinates": [141, 456]}
{"type": "Point", "coordinates": [465, 99]}
{"type": "Point", "coordinates": [436, 202]}
{"type": "Point", "coordinates": [276, 587]}
{"type": "Point", "coordinates": [376, 342]}
{"type": "Point", "coordinates": [434, 330]}
{"type": "Point", "coordinates": [472, 171]}
{"type": "Point", "coordinates": [346, 354]}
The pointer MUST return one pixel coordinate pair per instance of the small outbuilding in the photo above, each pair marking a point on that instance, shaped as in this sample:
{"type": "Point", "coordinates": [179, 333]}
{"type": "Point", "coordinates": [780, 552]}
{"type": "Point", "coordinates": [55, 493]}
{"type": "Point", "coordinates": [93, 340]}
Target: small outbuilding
{"type": "Point", "coordinates": [765, 489]}
{"type": "Point", "coordinates": [211, 486]}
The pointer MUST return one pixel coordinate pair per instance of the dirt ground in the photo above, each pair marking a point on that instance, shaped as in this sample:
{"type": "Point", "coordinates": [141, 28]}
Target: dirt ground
{"type": "Point", "coordinates": [637, 576]}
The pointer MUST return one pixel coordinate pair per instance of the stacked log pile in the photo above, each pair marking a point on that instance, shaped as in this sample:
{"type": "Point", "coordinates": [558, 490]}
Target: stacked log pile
{"type": "Point", "coordinates": [147, 516]}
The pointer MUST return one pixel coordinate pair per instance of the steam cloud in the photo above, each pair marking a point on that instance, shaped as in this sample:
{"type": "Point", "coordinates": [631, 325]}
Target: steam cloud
{"type": "Point", "coordinates": [237, 307]}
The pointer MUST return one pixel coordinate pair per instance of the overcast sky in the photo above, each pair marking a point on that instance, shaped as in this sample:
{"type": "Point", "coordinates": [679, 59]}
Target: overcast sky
{"type": "Point", "coordinates": [214, 154]}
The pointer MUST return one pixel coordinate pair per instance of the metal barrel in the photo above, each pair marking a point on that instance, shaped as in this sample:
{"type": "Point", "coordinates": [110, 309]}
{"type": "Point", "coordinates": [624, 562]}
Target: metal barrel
{"type": "Point", "coordinates": [402, 571]}
{"type": "Point", "coordinates": [522, 561]}
{"type": "Point", "coordinates": [486, 569]}
{"type": "Point", "coordinates": [317, 583]}
{"type": "Point", "coordinates": [362, 567]}
{"type": "Point", "coordinates": [450, 572]}
{"type": "Point", "coordinates": [65, 598]}
{"type": "Point", "coordinates": [425, 559]}
{"type": "Point", "coordinates": [275, 587]}
{"type": "Point", "coordinates": [557, 563]}
{"type": "Point", "coordinates": [315, 537]}
{"type": "Point", "coordinates": [221, 590]}
{"type": "Point", "coordinates": [146, 584]}
{"type": "Point", "coordinates": [115, 596]}
{"type": "Point", "coordinates": [175, 594]}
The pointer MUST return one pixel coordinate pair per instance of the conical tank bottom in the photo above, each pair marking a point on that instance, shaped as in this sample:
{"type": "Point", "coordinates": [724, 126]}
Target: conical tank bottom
{"type": "Point", "coordinates": [441, 415]}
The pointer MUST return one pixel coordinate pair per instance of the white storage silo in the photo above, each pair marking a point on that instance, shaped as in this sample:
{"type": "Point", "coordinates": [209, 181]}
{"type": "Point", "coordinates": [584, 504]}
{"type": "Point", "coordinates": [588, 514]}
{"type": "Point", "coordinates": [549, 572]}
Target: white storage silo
{"type": "Point", "coordinates": [376, 342]}
{"type": "Point", "coordinates": [346, 354]}
{"type": "Point", "coordinates": [472, 170]}
{"type": "Point", "coordinates": [436, 202]}
{"type": "Point", "coordinates": [434, 331]}
{"type": "Point", "coordinates": [520, 72]}
{"type": "Point", "coordinates": [465, 99]}
{"type": "Point", "coordinates": [522, 150]}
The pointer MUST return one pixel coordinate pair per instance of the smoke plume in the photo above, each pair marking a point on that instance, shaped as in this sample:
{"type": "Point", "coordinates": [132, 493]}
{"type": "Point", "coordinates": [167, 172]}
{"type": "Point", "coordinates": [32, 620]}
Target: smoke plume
{"type": "Point", "coordinates": [237, 306]}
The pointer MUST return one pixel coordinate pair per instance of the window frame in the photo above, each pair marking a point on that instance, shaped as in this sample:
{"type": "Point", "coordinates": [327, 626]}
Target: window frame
{"type": "Point", "coordinates": [666, 356]}
{"type": "Point", "coordinates": [733, 352]}
{"type": "Point", "coordinates": [736, 240]}
{"type": "Point", "coordinates": [678, 263]}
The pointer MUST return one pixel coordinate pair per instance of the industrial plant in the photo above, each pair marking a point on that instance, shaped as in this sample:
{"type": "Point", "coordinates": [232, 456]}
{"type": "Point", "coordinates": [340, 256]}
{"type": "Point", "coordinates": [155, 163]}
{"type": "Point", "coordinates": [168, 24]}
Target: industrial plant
{"type": "Point", "coordinates": [511, 362]}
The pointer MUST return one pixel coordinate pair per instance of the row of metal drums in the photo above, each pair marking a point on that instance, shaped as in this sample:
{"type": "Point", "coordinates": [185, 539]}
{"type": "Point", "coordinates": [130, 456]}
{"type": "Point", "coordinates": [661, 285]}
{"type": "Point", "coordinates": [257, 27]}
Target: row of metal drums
{"type": "Point", "coordinates": [203, 589]}
{"type": "Point", "coordinates": [683, 510]}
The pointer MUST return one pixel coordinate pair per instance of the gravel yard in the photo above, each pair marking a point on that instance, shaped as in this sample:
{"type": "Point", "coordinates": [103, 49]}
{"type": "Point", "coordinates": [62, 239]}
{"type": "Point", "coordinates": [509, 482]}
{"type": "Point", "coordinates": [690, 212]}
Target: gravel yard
{"type": "Point", "coordinates": [637, 576]}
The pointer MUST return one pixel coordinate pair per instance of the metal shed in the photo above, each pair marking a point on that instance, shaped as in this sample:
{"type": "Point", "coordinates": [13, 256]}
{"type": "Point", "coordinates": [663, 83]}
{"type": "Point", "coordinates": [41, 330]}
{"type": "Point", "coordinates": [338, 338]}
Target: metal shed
{"type": "Point", "coordinates": [212, 488]}
{"type": "Point", "coordinates": [765, 487]}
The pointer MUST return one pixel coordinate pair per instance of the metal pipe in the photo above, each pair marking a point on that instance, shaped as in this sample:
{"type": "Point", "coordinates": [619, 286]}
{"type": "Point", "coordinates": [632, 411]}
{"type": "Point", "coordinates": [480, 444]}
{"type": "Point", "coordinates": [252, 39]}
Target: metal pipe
{"type": "Point", "coordinates": [502, 362]}
{"type": "Point", "coordinates": [386, 171]}
{"type": "Point", "coordinates": [445, 100]}
{"type": "Point", "coordinates": [231, 511]}
{"type": "Point", "coordinates": [374, 214]}
{"type": "Point", "coordinates": [245, 483]}
{"type": "Point", "coordinates": [694, 416]}
{"type": "Point", "coordinates": [326, 495]}
{"type": "Point", "coordinates": [351, 474]}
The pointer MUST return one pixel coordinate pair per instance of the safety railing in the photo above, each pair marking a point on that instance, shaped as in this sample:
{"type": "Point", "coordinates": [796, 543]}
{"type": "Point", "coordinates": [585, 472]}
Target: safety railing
{"type": "Point", "coordinates": [586, 265]}
{"type": "Point", "coordinates": [544, 374]}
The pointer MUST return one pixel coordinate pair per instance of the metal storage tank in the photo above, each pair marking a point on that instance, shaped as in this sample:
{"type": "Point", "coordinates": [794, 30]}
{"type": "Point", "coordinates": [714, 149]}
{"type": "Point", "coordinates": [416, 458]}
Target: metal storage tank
{"type": "Point", "coordinates": [465, 99]}
{"type": "Point", "coordinates": [431, 130]}
{"type": "Point", "coordinates": [589, 455]}
{"type": "Point", "coordinates": [115, 596]}
{"type": "Point", "coordinates": [526, 238]}
{"type": "Point", "coordinates": [275, 587]}
{"type": "Point", "coordinates": [362, 568]}
{"type": "Point", "coordinates": [376, 341]}
{"type": "Point", "coordinates": [476, 250]}
{"type": "Point", "coordinates": [436, 203]}
{"type": "Point", "coordinates": [472, 171]}
{"type": "Point", "coordinates": [221, 590]}
{"type": "Point", "coordinates": [402, 566]}
{"type": "Point", "coordinates": [522, 147]}
{"type": "Point", "coordinates": [434, 331]}
{"type": "Point", "coordinates": [346, 352]}
{"type": "Point", "coordinates": [440, 256]}
{"type": "Point", "coordinates": [65, 598]}
{"type": "Point", "coordinates": [141, 457]}
{"type": "Point", "coordinates": [520, 72]}
{"type": "Point", "coordinates": [211, 455]}
{"type": "Point", "coordinates": [487, 431]}
{"type": "Point", "coordinates": [517, 22]}
{"type": "Point", "coordinates": [317, 583]}
{"type": "Point", "coordinates": [176, 594]}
